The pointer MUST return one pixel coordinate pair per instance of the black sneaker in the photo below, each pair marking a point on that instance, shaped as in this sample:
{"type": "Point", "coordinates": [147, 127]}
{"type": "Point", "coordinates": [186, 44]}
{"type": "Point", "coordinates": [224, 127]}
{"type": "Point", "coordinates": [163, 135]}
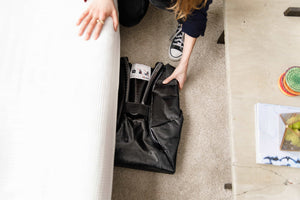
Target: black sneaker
{"type": "Point", "coordinates": [176, 47]}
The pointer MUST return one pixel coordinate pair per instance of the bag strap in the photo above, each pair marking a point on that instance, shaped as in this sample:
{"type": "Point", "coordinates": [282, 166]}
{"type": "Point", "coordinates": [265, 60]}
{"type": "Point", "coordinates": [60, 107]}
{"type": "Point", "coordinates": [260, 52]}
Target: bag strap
{"type": "Point", "coordinates": [154, 75]}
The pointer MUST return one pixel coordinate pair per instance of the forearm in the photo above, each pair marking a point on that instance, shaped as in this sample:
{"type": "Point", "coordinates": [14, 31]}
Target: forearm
{"type": "Point", "coordinates": [189, 43]}
{"type": "Point", "coordinates": [181, 70]}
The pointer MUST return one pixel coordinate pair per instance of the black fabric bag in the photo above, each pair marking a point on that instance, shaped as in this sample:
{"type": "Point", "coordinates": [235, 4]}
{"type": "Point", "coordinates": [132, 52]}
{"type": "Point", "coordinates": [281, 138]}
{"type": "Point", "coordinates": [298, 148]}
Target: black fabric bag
{"type": "Point", "coordinates": [149, 120]}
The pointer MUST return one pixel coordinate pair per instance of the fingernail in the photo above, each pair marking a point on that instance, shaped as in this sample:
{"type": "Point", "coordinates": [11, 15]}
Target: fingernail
{"type": "Point", "coordinates": [164, 82]}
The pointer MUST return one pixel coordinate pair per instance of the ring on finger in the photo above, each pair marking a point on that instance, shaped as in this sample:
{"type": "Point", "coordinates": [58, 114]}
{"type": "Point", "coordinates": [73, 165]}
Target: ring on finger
{"type": "Point", "coordinates": [100, 21]}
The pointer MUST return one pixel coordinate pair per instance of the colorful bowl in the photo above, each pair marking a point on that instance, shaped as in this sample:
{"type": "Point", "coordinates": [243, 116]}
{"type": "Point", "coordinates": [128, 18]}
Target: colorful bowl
{"type": "Point", "coordinates": [292, 78]}
{"type": "Point", "coordinates": [282, 88]}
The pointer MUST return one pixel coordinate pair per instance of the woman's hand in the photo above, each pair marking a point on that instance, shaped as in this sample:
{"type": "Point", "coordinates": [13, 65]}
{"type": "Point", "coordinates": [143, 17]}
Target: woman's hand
{"type": "Point", "coordinates": [181, 70]}
{"type": "Point", "coordinates": [179, 73]}
{"type": "Point", "coordinates": [96, 13]}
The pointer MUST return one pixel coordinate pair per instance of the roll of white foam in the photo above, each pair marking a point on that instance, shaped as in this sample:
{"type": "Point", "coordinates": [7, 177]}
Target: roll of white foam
{"type": "Point", "coordinates": [58, 103]}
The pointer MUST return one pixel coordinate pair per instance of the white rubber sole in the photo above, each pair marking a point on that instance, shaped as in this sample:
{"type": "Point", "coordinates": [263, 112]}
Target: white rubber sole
{"type": "Point", "coordinates": [175, 59]}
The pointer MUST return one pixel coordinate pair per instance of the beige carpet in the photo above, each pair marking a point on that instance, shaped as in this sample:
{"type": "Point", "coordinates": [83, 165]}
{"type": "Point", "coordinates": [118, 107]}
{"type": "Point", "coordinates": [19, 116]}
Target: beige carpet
{"type": "Point", "coordinates": [203, 161]}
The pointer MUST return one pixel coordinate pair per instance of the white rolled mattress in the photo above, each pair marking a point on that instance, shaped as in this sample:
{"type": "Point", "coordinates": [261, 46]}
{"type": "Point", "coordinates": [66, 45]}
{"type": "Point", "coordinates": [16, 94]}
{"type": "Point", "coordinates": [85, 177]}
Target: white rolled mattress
{"type": "Point", "coordinates": [58, 103]}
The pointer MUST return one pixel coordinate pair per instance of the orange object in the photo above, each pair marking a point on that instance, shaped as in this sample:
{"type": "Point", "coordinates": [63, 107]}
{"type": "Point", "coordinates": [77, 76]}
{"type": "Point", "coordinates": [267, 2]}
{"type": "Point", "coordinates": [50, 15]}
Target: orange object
{"type": "Point", "coordinates": [282, 88]}
{"type": "Point", "coordinates": [288, 88]}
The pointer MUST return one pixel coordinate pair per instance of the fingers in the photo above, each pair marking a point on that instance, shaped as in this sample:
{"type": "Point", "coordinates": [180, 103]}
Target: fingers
{"type": "Point", "coordinates": [88, 21]}
{"type": "Point", "coordinates": [114, 16]}
{"type": "Point", "coordinates": [170, 78]}
{"type": "Point", "coordinates": [89, 25]}
{"type": "Point", "coordinates": [83, 15]}
{"type": "Point", "coordinates": [180, 85]}
{"type": "Point", "coordinates": [84, 24]}
{"type": "Point", "coordinates": [97, 30]}
{"type": "Point", "coordinates": [167, 80]}
{"type": "Point", "coordinates": [90, 28]}
{"type": "Point", "coordinates": [99, 26]}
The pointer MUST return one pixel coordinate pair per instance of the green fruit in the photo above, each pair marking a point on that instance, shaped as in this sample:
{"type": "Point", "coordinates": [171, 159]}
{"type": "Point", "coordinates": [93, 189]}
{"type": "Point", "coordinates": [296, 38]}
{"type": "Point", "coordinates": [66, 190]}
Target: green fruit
{"type": "Point", "coordinates": [295, 118]}
{"type": "Point", "coordinates": [297, 131]}
{"type": "Point", "coordinates": [291, 120]}
{"type": "Point", "coordinates": [293, 138]}
{"type": "Point", "coordinates": [296, 125]}
{"type": "Point", "coordinates": [290, 126]}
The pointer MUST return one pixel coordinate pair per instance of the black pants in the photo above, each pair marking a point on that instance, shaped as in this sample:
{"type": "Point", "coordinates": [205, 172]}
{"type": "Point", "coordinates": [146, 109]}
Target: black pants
{"type": "Point", "coordinates": [131, 12]}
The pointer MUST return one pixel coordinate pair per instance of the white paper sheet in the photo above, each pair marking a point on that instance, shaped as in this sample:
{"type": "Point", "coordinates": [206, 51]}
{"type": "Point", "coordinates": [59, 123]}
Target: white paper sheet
{"type": "Point", "coordinates": [58, 103]}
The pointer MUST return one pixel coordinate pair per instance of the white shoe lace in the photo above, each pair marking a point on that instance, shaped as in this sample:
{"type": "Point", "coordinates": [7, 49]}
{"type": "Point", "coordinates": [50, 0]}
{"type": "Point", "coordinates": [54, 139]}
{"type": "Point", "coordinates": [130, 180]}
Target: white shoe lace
{"type": "Point", "coordinates": [178, 37]}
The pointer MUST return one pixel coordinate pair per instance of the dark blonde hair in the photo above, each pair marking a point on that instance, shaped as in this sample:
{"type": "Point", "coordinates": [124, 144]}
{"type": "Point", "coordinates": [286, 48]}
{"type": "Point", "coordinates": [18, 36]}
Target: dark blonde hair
{"type": "Point", "coordinates": [183, 8]}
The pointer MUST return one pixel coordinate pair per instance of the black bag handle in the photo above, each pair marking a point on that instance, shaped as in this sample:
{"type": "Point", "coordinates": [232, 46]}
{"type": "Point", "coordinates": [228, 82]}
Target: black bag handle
{"type": "Point", "coordinates": [156, 71]}
{"type": "Point", "coordinates": [138, 108]}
